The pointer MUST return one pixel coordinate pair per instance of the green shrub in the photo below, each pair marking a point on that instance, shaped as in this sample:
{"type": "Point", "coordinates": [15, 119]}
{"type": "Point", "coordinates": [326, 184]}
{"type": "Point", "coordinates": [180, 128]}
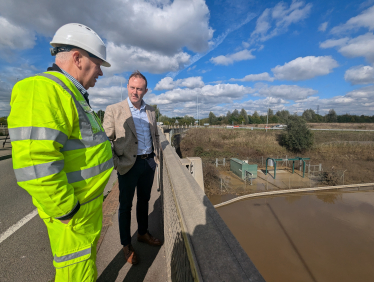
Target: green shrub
{"type": "Point", "coordinates": [297, 137]}
{"type": "Point", "coordinates": [199, 151]}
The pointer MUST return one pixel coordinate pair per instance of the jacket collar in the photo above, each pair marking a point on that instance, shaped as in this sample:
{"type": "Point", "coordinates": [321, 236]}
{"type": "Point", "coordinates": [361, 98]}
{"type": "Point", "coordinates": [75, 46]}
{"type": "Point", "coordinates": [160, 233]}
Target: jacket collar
{"type": "Point", "coordinates": [58, 69]}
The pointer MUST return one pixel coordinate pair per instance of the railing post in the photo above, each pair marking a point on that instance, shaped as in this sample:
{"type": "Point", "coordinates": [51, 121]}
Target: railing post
{"type": "Point", "coordinates": [266, 167]}
{"type": "Point", "coordinates": [303, 169]}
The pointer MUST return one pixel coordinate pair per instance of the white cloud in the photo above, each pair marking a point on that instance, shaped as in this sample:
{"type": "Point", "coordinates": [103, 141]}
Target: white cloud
{"type": "Point", "coordinates": [209, 94]}
{"type": "Point", "coordinates": [245, 45]}
{"type": "Point", "coordinates": [361, 46]}
{"type": "Point", "coordinates": [101, 97]}
{"type": "Point", "coordinates": [334, 43]}
{"type": "Point", "coordinates": [358, 102]}
{"type": "Point", "coordinates": [161, 26]}
{"type": "Point", "coordinates": [362, 94]}
{"type": "Point", "coordinates": [14, 37]}
{"type": "Point", "coordinates": [230, 59]}
{"type": "Point", "coordinates": [111, 80]}
{"type": "Point", "coordinates": [167, 83]}
{"type": "Point", "coordinates": [180, 102]}
{"type": "Point", "coordinates": [288, 92]}
{"type": "Point", "coordinates": [365, 19]}
{"type": "Point", "coordinates": [281, 17]}
{"type": "Point", "coordinates": [360, 75]}
{"type": "Point", "coordinates": [366, 4]}
{"type": "Point", "coordinates": [125, 58]}
{"type": "Point", "coordinates": [323, 26]}
{"type": "Point", "coordinates": [191, 68]}
{"type": "Point", "coordinates": [255, 77]}
{"type": "Point", "coordinates": [303, 68]}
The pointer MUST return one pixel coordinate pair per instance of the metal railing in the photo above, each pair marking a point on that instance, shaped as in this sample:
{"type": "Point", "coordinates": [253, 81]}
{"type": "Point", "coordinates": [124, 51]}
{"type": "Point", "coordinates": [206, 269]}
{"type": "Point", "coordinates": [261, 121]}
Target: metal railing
{"type": "Point", "coordinates": [198, 244]}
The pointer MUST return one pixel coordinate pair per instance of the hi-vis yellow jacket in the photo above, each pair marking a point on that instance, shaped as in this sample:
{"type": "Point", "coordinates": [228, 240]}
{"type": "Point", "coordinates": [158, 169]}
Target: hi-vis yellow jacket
{"type": "Point", "coordinates": [60, 152]}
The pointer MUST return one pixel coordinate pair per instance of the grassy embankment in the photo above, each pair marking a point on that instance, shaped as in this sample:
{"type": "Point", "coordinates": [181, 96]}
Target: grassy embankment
{"type": "Point", "coordinates": [336, 150]}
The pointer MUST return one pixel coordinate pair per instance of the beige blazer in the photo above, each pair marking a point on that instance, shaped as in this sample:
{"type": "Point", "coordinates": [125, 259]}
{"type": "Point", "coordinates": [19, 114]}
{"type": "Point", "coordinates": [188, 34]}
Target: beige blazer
{"type": "Point", "coordinates": [120, 128]}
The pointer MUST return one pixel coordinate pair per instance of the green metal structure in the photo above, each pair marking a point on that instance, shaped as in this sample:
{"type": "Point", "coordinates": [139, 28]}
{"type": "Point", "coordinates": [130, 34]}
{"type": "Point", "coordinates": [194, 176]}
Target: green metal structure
{"type": "Point", "coordinates": [283, 160]}
{"type": "Point", "coordinates": [242, 169]}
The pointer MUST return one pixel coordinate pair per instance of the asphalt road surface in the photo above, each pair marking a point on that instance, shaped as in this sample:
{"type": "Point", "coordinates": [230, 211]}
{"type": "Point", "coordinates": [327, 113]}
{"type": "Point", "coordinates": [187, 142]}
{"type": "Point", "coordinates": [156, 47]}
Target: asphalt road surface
{"type": "Point", "coordinates": [25, 255]}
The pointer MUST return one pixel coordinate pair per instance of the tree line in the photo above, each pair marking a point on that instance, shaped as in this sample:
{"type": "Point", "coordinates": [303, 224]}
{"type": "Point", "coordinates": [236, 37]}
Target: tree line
{"type": "Point", "coordinates": [242, 117]}
{"type": "Point", "coordinates": [282, 116]}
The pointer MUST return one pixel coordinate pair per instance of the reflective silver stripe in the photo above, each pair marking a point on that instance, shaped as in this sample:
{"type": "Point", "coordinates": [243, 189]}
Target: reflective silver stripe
{"type": "Point", "coordinates": [38, 171]}
{"type": "Point", "coordinates": [79, 175]}
{"type": "Point", "coordinates": [72, 255]}
{"type": "Point", "coordinates": [37, 133]}
{"type": "Point", "coordinates": [75, 144]}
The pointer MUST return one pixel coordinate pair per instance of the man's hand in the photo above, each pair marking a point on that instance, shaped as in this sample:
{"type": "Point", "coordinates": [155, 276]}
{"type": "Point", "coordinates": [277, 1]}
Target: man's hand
{"type": "Point", "coordinates": [66, 221]}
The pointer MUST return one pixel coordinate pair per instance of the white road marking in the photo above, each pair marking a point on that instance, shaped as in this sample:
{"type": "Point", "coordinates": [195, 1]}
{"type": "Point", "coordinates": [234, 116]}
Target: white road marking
{"type": "Point", "coordinates": [18, 225]}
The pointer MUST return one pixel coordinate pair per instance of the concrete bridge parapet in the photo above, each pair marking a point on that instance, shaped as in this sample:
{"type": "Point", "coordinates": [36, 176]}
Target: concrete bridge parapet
{"type": "Point", "coordinates": [198, 244]}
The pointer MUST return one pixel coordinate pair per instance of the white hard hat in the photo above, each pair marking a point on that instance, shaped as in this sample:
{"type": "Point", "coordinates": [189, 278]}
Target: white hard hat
{"type": "Point", "coordinates": [81, 36]}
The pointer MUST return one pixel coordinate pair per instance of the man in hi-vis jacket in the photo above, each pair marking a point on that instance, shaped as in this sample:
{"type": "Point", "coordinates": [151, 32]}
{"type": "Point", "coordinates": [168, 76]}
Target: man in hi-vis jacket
{"type": "Point", "coordinates": [61, 154]}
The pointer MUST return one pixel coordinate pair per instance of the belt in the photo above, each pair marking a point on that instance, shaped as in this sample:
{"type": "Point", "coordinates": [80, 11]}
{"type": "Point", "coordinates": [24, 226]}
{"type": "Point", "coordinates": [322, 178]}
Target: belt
{"type": "Point", "coordinates": [145, 156]}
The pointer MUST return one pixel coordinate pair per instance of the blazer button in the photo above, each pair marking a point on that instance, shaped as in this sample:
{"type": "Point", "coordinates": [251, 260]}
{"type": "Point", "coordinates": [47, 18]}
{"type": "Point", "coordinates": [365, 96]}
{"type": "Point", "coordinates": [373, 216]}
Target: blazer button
{"type": "Point", "coordinates": [136, 142]}
{"type": "Point", "coordinates": [134, 156]}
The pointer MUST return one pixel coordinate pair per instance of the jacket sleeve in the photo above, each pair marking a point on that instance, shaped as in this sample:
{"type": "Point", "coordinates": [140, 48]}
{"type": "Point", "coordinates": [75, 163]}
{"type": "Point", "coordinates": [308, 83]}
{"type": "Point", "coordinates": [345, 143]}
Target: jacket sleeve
{"type": "Point", "coordinates": [108, 124]}
{"type": "Point", "coordinates": [109, 127]}
{"type": "Point", "coordinates": [40, 122]}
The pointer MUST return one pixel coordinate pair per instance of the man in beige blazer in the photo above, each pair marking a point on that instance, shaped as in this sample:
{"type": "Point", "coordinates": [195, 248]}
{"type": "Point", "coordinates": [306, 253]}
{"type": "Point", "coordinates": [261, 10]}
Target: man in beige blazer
{"type": "Point", "coordinates": [131, 127]}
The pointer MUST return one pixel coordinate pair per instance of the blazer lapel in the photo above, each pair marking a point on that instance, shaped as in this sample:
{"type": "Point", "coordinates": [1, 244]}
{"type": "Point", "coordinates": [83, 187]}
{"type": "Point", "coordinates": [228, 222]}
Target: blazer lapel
{"type": "Point", "coordinates": [128, 116]}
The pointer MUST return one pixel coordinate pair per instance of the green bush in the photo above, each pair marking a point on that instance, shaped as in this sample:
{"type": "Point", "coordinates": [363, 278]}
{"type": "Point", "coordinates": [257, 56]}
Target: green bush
{"type": "Point", "coordinates": [297, 137]}
{"type": "Point", "coordinates": [199, 151]}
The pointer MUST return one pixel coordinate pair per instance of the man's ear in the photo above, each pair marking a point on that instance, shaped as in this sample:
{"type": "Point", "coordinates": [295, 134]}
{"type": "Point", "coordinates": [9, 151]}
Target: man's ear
{"type": "Point", "coordinates": [77, 58]}
{"type": "Point", "coordinates": [146, 90]}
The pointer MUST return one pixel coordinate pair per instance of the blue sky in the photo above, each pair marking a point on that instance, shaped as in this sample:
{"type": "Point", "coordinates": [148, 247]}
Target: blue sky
{"type": "Point", "coordinates": [231, 54]}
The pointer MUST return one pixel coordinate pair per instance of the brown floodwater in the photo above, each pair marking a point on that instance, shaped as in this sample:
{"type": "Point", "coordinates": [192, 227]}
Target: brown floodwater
{"type": "Point", "coordinates": [324, 236]}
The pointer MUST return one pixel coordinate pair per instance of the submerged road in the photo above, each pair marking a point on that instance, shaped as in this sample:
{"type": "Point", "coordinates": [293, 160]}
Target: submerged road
{"type": "Point", "coordinates": [25, 253]}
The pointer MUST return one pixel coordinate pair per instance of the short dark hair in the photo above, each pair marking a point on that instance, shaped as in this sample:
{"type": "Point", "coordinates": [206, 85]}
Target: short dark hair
{"type": "Point", "coordinates": [139, 75]}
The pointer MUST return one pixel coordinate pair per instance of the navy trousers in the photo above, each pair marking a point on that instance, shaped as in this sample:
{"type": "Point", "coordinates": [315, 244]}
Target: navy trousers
{"type": "Point", "coordinates": [140, 176]}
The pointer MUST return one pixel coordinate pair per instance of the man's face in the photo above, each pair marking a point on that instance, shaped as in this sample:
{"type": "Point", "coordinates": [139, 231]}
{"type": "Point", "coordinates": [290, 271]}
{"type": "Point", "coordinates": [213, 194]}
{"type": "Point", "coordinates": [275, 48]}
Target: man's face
{"type": "Point", "coordinates": [136, 90]}
{"type": "Point", "coordinates": [91, 70]}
